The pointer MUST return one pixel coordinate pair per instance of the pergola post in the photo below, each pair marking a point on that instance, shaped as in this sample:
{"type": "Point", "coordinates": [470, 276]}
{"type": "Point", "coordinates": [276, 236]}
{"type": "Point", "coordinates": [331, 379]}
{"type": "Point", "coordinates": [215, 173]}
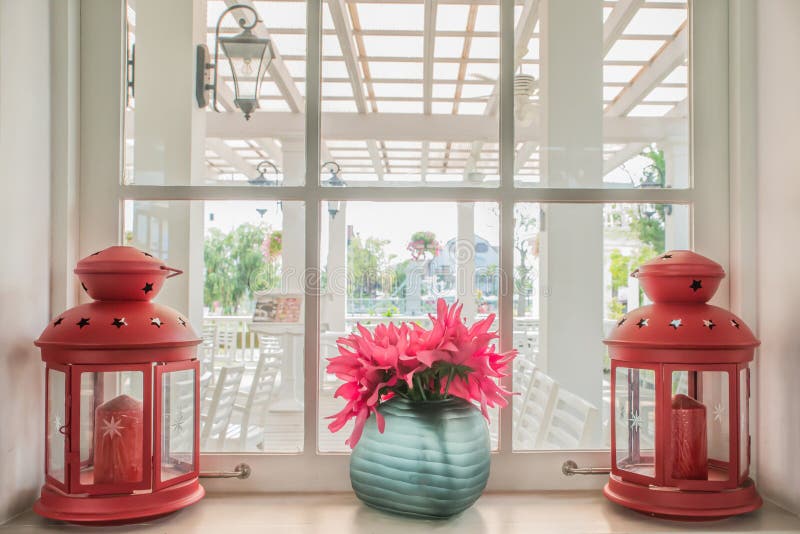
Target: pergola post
{"type": "Point", "coordinates": [169, 140]}
{"type": "Point", "coordinates": [292, 254]}
{"type": "Point", "coordinates": [571, 260]}
{"type": "Point", "coordinates": [465, 259]}
{"type": "Point", "coordinates": [334, 303]}
{"type": "Point", "coordinates": [676, 224]}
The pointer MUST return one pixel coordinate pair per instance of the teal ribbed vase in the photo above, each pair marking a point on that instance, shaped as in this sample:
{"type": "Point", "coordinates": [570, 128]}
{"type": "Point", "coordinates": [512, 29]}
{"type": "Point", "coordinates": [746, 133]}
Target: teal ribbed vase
{"type": "Point", "coordinates": [431, 461]}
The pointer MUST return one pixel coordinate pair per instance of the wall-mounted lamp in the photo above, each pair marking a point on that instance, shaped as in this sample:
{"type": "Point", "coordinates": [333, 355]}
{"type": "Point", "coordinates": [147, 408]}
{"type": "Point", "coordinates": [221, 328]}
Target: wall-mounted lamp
{"type": "Point", "coordinates": [248, 56]}
{"type": "Point", "coordinates": [334, 206]}
{"type": "Point", "coordinates": [262, 169]}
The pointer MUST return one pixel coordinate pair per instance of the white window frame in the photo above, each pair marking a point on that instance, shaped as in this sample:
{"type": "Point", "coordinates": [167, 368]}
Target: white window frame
{"type": "Point", "coordinates": [87, 208]}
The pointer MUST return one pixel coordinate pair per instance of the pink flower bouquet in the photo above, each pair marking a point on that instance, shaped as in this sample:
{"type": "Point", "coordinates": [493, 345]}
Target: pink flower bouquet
{"type": "Point", "coordinates": [449, 360]}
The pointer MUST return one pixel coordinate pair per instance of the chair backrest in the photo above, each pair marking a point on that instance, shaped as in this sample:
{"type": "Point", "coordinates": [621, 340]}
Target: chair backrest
{"type": "Point", "coordinates": [536, 411]}
{"type": "Point", "coordinates": [205, 382]}
{"type": "Point", "coordinates": [572, 422]}
{"type": "Point", "coordinates": [260, 394]}
{"type": "Point", "coordinates": [221, 406]}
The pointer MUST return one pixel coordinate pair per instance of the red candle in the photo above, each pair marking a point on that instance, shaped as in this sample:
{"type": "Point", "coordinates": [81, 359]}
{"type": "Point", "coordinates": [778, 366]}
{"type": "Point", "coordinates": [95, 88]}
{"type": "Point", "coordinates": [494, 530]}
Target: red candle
{"type": "Point", "coordinates": [689, 443]}
{"type": "Point", "coordinates": [118, 441]}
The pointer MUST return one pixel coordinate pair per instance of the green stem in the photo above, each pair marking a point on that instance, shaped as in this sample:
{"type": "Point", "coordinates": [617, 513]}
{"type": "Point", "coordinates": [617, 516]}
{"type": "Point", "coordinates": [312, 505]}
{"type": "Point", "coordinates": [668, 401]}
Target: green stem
{"type": "Point", "coordinates": [421, 390]}
{"type": "Point", "coordinates": [449, 380]}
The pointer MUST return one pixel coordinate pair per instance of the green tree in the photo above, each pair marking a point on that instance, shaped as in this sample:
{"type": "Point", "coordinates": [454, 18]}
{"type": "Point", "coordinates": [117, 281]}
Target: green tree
{"type": "Point", "coordinates": [647, 221]}
{"type": "Point", "coordinates": [368, 265]}
{"type": "Point", "coordinates": [234, 261]}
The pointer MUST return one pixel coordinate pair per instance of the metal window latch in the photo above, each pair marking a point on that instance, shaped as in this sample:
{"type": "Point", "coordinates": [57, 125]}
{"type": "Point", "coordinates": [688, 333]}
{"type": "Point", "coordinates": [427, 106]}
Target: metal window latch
{"type": "Point", "coordinates": [570, 468]}
{"type": "Point", "coordinates": [241, 471]}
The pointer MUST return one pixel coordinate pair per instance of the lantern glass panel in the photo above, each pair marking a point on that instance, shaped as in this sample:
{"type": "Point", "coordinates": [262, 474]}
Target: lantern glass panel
{"type": "Point", "coordinates": [177, 424]}
{"type": "Point", "coordinates": [635, 401]}
{"type": "Point", "coordinates": [700, 425]}
{"type": "Point", "coordinates": [56, 420]}
{"type": "Point", "coordinates": [112, 427]}
{"type": "Point", "coordinates": [744, 423]}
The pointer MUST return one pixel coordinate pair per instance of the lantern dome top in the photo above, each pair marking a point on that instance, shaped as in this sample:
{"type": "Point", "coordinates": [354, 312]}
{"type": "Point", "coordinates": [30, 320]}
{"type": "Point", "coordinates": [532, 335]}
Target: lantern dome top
{"type": "Point", "coordinates": [680, 283]}
{"type": "Point", "coordinates": [680, 276]}
{"type": "Point", "coordinates": [118, 325]}
{"type": "Point", "coordinates": [123, 273]}
{"type": "Point", "coordinates": [123, 279]}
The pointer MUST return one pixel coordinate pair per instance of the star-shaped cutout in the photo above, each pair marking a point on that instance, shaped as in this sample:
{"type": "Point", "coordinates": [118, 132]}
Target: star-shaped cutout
{"type": "Point", "coordinates": [666, 257]}
{"type": "Point", "coordinates": [147, 254]}
{"type": "Point", "coordinates": [148, 287]}
{"type": "Point", "coordinates": [708, 323]}
{"type": "Point", "coordinates": [642, 322]}
{"type": "Point", "coordinates": [719, 412]}
{"type": "Point", "coordinates": [84, 287]}
{"type": "Point", "coordinates": [182, 322]}
{"type": "Point", "coordinates": [83, 322]}
{"type": "Point", "coordinates": [734, 323]}
{"type": "Point", "coordinates": [58, 321]}
{"type": "Point", "coordinates": [119, 322]}
{"type": "Point", "coordinates": [96, 253]}
{"type": "Point", "coordinates": [112, 427]}
{"type": "Point", "coordinates": [155, 321]}
{"type": "Point", "coordinates": [622, 321]}
{"type": "Point", "coordinates": [636, 421]}
{"type": "Point", "coordinates": [676, 323]}
{"type": "Point", "coordinates": [696, 284]}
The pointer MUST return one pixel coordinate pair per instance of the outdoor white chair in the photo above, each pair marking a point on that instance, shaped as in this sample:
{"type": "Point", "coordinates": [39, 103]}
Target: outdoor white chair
{"type": "Point", "coordinates": [205, 383]}
{"type": "Point", "coordinates": [536, 411]}
{"type": "Point", "coordinates": [571, 423]}
{"type": "Point", "coordinates": [216, 419]}
{"type": "Point", "coordinates": [252, 404]}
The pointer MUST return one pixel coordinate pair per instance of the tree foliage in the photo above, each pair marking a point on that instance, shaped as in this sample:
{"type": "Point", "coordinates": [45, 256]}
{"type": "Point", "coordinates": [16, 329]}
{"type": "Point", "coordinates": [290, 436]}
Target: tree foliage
{"type": "Point", "coordinates": [368, 266]}
{"type": "Point", "coordinates": [234, 261]}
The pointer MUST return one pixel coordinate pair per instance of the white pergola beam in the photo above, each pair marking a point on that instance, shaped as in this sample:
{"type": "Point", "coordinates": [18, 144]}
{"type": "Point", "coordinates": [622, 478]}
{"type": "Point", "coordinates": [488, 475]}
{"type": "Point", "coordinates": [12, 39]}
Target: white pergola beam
{"type": "Point", "coordinates": [524, 154]}
{"type": "Point", "coordinates": [624, 154]}
{"type": "Point", "coordinates": [277, 68]}
{"type": "Point", "coordinates": [618, 20]}
{"type": "Point", "coordinates": [344, 33]}
{"type": "Point", "coordinates": [273, 150]}
{"type": "Point", "coordinates": [671, 56]}
{"type": "Point", "coordinates": [415, 127]}
{"type": "Point", "coordinates": [228, 154]}
{"type": "Point", "coordinates": [429, 38]}
{"type": "Point", "coordinates": [426, 146]}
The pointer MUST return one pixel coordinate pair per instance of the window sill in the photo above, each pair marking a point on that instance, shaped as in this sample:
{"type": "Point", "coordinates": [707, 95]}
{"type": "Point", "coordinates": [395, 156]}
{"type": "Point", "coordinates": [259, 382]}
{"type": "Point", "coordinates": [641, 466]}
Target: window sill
{"type": "Point", "coordinates": [574, 511]}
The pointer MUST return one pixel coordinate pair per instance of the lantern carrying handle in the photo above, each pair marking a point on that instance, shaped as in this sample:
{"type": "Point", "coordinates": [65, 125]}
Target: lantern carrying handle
{"type": "Point", "coordinates": [175, 272]}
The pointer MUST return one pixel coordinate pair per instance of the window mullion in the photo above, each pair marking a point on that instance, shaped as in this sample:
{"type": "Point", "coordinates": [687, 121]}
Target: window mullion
{"type": "Point", "coordinates": [506, 190]}
{"type": "Point", "coordinates": [311, 278]}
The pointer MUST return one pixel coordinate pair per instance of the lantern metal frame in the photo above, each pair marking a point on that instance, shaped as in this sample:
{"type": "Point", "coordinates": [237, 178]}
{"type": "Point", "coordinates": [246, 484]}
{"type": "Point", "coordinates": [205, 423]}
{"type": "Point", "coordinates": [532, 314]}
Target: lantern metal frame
{"type": "Point", "coordinates": [204, 84]}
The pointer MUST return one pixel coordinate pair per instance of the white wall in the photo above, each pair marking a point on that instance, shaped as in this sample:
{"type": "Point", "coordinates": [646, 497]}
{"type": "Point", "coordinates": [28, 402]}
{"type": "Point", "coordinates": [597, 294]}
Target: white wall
{"type": "Point", "coordinates": [24, 245]}
{"type": "Point", "coordinates": [778, 432]}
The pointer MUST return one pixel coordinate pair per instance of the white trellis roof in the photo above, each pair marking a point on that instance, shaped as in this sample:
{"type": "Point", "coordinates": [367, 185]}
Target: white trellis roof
{"type": "Point", "coordinates": [413, 60]}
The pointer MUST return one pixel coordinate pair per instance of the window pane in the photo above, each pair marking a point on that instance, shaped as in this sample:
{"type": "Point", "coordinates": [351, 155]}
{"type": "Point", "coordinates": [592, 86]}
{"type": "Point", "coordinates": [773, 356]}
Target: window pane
{"type": "Point", "coordinates": [700, 425]}
{"type": "Point", "coordinates": [408, 93]}
{"type": "Point", "coordinates": [56, 424]}
{"type": "Point", "coordinates": [571, 285]}
{"type": "Point", "coordinates": [391, 261]}
{"type": "Point", "coordinates": [635, 420]}
{"type": "Point", "coordinates": [606, 106]}
{"type": "Point", "coordinates": [112, 427]}
{"type": "Point", "coordinates": [177, 436]}
{"type": "Point", "coordinates": [243, 292]}
{"type": "Point", "coordinates": [170, 140]}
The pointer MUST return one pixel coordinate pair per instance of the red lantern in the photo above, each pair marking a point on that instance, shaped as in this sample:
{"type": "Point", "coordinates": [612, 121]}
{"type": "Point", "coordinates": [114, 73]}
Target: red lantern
{"type": "Point", "coordinates": [122, 405]}
{"type": "Point", "coordinates": [680, 388]}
